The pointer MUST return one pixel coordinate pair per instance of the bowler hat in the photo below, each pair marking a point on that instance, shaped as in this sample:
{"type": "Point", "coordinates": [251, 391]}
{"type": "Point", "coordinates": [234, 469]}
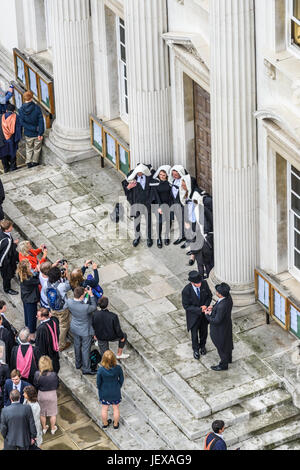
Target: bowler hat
{"type": "Point", "coordinates": [195, 277]}
{"type": "Point", "coordinates": [223, 289]}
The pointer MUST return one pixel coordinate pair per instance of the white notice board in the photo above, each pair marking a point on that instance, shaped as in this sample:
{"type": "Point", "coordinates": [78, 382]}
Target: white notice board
{"type": "Point", "coordinates": [279, 307]}
{"type": "Point", "coordinates": [263, 291]}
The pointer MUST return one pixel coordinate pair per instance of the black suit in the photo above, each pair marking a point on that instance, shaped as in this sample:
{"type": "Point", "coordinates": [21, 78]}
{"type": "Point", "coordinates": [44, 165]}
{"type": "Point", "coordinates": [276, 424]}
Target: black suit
{"type": "Point", "coordinates": [195, 318]}
{"type": "Point", "coordinates": [17, 427]}
{"type": "Point", "coordinates": [221, 330]}
{"type": "Point", "coordinates": [10, 260]}
{"type": "Point", "coordinates": [8, 387]}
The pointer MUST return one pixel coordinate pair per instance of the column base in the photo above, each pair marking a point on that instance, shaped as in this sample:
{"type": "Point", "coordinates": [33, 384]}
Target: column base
{"type": "Point", "coordinates": [52, 155]}
{"type": "Point", "coordinates": [242, 295]}
{"type": "Point", "coordinates": [73, 141]}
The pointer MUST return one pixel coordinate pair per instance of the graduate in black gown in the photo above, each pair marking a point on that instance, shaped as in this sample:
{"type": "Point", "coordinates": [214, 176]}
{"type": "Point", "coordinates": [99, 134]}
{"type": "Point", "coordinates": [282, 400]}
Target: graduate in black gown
{"type": "Point", "coordinates": [5, 336]}
{"type": "Point", "coordinates": [47, 337]}
{"type": "Point", "coordinates": [219, 318]}
{"type": "Point", "coordinates": [24, 348]}
{"type": "Point", "coordinates": [139, 194]}
{"type": "Point", "coordinates": [162, 199]}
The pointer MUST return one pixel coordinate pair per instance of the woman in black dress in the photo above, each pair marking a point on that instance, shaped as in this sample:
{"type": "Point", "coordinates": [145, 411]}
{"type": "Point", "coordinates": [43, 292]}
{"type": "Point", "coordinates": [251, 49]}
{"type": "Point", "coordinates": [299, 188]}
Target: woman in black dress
{"type": "Point", "coordinates": [162, 198]}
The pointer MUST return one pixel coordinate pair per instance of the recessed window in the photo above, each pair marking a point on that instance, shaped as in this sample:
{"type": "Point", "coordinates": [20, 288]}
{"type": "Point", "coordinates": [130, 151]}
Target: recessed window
{"type": "Point", "coordinates": [123, 85]}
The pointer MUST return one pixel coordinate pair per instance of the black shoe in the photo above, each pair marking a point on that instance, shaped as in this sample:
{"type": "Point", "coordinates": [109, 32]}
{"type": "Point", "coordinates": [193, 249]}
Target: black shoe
{"type": "Point", "coordinates": [109, 421]}
{"type": "Point", "coordinates": [136, 242]}
{"type": "Point", "coordinates": [159, 243]}
{"type": "Point", "coordinates": [29, 165]}
{"type": "Point", "coordinates": [11, 292]}
{"type": "Point", "coordinates": [167, 241]}
{"type": "Point", "coordinates": [34, 164]}
{"type": "Point", "coordinates": [117, 427]}
{"type": "Point", "coordinates": [189, 253]}
{"type": "Point", "coordinates": [180, 240]}
{"type": "Point", "coordinates": [149, 242]}
{"type": "Point", "coordinates": [184, 245]}
{"type": "Point", "coordinates": [14, 168]}
{"type": "Point", "coordinates": [196, 355]}
{"type": "Point", "coordinates": [191, 262]}
{"type": "Point", "coordinates": [6, 170]}
{"type": "Point", "coordinates": [92, 372]}
{"type": "Point", "coordinates": [203, 351]}
{"type": "Point", "coordinates": [218, 368]}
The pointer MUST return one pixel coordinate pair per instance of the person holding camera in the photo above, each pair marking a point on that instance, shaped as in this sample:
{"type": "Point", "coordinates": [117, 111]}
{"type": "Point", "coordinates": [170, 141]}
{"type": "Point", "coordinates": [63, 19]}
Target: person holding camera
{"type": "Point", "coordinates": [27, 252]}
{"type": "Point", "coordinates": [77, 276]}
{"type": "Point", "coordinates": [81, 327]}
{"type": "Point", "coordinates": [55, 291]}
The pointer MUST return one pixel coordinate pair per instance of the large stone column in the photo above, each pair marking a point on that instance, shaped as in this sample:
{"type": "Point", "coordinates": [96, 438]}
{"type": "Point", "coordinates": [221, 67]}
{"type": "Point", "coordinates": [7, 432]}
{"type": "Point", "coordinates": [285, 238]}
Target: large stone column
{"type": "Point", "coordinates": [72, 66]}
{"type": "Point", "coordinates": [149, 82]}
{"type": "Point", "coordinates": [234, 153]}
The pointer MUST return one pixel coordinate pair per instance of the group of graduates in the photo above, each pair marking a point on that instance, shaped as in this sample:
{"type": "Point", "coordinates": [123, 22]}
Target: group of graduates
{"type": "Point", "coordinates": [17, 352]}
{"type": "Point", "coordinates": [10, 131]}
{"type": "Point", "coordinates": [171, 193]}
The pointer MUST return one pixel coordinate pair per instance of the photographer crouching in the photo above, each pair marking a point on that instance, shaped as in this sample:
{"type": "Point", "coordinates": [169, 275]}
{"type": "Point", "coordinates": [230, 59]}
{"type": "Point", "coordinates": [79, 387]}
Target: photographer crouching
{"type": "Point", "coordinates": [55, 291]}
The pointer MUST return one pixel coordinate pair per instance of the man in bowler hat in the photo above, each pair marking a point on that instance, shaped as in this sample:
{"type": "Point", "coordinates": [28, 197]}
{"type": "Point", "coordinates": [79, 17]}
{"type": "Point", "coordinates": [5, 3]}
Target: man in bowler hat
{"type": "Point", "coordinates": [196, 297]}
{"type": "Point", "coordinates": [219, 317]}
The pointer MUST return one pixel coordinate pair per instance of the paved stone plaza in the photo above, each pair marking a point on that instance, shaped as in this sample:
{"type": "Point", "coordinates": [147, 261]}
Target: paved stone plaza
{"type": "Point", "coordinates": [170, 399]}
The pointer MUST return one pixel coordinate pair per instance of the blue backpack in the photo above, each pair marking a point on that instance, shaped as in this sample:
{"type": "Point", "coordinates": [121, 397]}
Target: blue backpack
{"type": "Point", "coordinates": [55, 300]}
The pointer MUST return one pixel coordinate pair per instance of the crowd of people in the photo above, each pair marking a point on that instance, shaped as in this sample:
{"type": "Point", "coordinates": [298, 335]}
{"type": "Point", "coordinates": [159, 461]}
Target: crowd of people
{"type": "Point", "coordinates": [171, 193]}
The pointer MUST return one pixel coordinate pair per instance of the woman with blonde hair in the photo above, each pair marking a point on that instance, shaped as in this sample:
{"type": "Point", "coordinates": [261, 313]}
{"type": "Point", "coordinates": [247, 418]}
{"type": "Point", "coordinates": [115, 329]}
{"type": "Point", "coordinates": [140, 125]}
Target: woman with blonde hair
{"type": "Point", "coordinates": [46, 382]}
{"type": "Point", "coordinates": [27, 252]}
{"type": "Point", "coordinates": [110, 379]}
{"type": "Point", "coordinates": [30, 295]}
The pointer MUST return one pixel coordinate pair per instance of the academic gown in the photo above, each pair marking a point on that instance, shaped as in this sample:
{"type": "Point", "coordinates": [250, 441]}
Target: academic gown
{"type": "Point", "coordinates": [221, 328]}
{"type": "Point", "coordinates": [34, 364]}
{"type": "Point", "coordinates": [9, 147]}
{"type": "Point", "coordinates": [7, 339]}
{"type": "Point", "coordinates": [12, 331]}
{"type": "Point", "coordinates": [10, 261]}
{"type": "Point", "coordinates": [192, 304]}
{"type": "Point", "coordinates": [44, 342]}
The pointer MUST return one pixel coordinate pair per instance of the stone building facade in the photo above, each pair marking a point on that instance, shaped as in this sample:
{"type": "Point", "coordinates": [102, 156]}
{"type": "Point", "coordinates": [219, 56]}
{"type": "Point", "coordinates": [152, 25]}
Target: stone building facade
{"type": "Point", "coordinates": [210, 84]}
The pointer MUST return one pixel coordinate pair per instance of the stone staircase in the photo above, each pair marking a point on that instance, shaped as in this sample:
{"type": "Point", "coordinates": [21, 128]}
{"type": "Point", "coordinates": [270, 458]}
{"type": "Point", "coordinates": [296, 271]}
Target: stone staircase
{"type": "Point", "coordinates": [156, 414]}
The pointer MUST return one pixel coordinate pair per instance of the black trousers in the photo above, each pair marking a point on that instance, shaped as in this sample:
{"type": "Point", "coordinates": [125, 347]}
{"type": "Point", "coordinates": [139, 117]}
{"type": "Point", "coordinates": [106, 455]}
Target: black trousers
{"type": "Point", "coordinates": [163, 218]}
{"type": "Point", "coordinates": [6, 280]}
{"type": "Point", "coordinates": [9, 163]}
{"type": "Point", "coordinates": [145, 212]}
{"type": "Point", "coordinates": [225, 358]}
{"type": "Point", "coordinates": [199, 333]}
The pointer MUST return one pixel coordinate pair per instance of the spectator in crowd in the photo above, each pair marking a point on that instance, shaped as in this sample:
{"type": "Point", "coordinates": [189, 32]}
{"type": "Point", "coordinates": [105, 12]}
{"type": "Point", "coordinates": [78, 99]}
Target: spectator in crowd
{"type": "Point", "coordinates": [17, 424]}
{"type": "Point", "coordinates": [81, 327]}
{"type": "Point", "coordinates": [5, 97]}
{"type": "Point", "coordinates": [46, 382]}
{"type": "Point", "coordinates": [12, 331]}
{"type": "Point", "coordinates": [25, 357]}
{"type": "Point", "coordinates": [219, 317]}
{"type": "Point", "coordinates": [214, 440]}
{"type": "Point", "coordinates": [27, 252]}
{"type": "Point", "coordinates": [11, 130]}
{"type": "Point", "coordinates": [107, 328]}
{"type": "Point", "coordinates": [2, 198]}
{"type": "Point", "coordinates": [77, 276]}
{"type": "Point", "coordinates": [56, 293]}
{"type": "Point", "coordinates": [4, 375]}
{"type": "Point", "coordinates": [8, 256]}
{"type": "Point", "coordinates": [30, 295]}
{"type": "Point", "coordinates": [30, 398]}
{"type": "Point", "coordinates": [205, 256]}
{"type": "Point", "coordinates": [33, 123]}
{"type": "Point", "coordinates": [14, 383]}
{"type": "Point", "coordinates": [43, 277]}
{"type": "Point", "coordinates": [110, 379]}
{"type": "Point", "coordinates": [6, 338]}
{"type": "Point", "coordinates": [196, 297]}
{"type": "Point", "coordinates": [139, 194]}
{"type": "Point", "coordinates": [162, 197]}
{"type": "Point", "coordinates": [47, 337]}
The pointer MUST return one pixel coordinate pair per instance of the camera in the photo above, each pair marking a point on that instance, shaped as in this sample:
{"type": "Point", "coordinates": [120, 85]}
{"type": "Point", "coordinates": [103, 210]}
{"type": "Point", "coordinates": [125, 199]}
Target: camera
{"type": "Point", "coordinates": [62, 261]}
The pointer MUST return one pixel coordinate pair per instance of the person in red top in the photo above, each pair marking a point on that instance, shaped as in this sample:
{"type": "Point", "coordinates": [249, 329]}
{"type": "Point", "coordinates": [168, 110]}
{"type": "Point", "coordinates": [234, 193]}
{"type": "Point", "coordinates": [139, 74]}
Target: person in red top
{"type": "Point", "coordinates": [27, 252]}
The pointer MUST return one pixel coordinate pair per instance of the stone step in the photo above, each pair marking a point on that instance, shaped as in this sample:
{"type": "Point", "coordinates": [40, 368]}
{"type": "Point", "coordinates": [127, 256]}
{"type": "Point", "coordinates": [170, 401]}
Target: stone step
{"type": "Point", "coordinates": [292, 445]}
{"type": "Point", "coordinates": [274, 439]}
{"type": "Point", "coordinates": [81, 392]}
{"type": "Point", "coordinates": [261, 429]}
{"type": "Point", "coordinates": [132, 418]}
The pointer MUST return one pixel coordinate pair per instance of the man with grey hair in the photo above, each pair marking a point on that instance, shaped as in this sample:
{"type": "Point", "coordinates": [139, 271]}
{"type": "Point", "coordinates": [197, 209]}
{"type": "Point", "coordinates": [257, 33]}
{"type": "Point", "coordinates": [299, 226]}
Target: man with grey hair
{"type": "Point", "coordinates": [25, 357]}
{"type": "Point", "coordinates": [17, 424]}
